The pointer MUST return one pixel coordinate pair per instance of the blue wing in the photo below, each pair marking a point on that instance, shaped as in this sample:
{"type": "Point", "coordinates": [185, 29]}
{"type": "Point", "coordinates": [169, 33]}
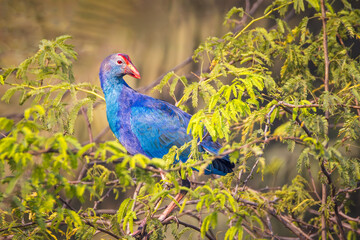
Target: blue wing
{"type": "Point", "coordinates": [159, 125]}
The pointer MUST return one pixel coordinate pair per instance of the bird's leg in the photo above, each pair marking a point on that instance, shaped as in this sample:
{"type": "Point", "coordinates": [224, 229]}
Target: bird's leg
{"type": "Point", "coordinates": [185, 183]}
{"type": "Point", "coordinates": [141, 229]}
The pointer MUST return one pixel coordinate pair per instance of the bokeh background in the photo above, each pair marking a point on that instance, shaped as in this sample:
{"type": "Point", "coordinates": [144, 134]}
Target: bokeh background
{"type": "Point", "coordinates": [157, 35]}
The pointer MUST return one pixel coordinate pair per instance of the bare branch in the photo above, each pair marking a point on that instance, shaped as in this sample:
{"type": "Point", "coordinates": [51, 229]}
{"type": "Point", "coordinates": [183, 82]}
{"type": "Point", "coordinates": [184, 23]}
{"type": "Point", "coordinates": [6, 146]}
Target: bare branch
{"type": "Point", "coordinates": [107, 194]}
{"type": "Point", "coordinates": [168, 220]}
{"type": "Point", "coordinates": [88, 125]}
{"type": "Point", "coordinates": [158, 80]}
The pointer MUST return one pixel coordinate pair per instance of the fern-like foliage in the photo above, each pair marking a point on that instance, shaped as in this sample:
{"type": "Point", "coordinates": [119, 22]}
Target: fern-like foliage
{"type": "Point", "coordinates": [263, 85]}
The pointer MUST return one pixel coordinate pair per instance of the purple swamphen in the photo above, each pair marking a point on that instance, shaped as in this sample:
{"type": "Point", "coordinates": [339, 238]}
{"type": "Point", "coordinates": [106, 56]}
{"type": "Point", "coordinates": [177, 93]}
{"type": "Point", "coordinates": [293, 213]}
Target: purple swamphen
{"type": "Point", "coordinates": [147, 125]}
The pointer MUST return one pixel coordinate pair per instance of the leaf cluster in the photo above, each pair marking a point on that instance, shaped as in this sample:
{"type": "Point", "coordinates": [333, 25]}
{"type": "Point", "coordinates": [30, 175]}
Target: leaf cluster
{"type": "Point", "coordinates": [263, 85]}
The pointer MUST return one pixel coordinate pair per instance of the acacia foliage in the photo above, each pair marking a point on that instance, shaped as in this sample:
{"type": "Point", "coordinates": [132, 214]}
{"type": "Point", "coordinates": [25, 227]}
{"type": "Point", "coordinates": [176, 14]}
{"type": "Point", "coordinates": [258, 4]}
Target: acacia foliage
{"type": "Point", "coordinates": [242, 101]}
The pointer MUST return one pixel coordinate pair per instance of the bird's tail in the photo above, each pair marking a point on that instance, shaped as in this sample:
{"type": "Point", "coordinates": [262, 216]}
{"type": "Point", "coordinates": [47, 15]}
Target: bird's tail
{"type": "Point", "coordinates": [220, 166]}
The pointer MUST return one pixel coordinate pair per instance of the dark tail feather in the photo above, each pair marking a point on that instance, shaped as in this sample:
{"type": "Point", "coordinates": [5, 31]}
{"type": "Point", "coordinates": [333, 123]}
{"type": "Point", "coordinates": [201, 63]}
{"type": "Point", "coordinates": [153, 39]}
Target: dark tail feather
{"type": "Point", "coordinates": [223, 165]}
{"type": "Point", "coordinates": [220, 166]}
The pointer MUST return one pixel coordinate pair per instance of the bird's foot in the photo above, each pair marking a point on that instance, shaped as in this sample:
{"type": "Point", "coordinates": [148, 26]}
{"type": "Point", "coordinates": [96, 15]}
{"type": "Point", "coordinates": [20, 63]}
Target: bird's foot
{"type": "Point", "coordinates": [175, 202]}
{"type": "Point", "coordinates": [141, 231]}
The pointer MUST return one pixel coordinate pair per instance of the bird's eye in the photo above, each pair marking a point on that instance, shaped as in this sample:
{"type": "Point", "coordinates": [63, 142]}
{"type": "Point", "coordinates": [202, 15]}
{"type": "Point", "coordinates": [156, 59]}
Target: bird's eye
{"type": "Point", "coordinates": [119, 62]}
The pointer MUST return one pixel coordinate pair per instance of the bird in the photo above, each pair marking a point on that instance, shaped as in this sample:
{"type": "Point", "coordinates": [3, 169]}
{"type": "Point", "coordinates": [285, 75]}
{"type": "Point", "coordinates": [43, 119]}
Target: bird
{"type": "Point", "coordinates": [146, 125]}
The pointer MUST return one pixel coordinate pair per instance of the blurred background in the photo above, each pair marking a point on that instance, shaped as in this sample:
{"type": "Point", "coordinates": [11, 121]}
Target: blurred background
{"type": "Point", "coordinates": [157, 35]}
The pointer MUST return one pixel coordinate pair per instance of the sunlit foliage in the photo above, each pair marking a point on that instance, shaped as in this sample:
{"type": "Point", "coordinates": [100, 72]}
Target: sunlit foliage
{"type": "Point", "coordinates": [310, 103]}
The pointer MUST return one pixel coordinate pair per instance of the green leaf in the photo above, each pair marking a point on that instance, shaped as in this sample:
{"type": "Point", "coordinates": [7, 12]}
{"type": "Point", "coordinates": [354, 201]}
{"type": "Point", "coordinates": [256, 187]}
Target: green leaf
{"type": "Point", "coordinates": [11, 183]}
{"type": "Point", "coordinates": [231, 232]}
{"type": "Point", "coordinates": [10, 92]}
{"type": "Point", "coordinates": [213, 101]}
{"type": "Point", "coordinates": [74, 113]}
{"type": "Point", "coordinates": [315, 4]}
{"type": "Point", "coordinates": [164, 81]}
{"type": "Point", "coordinates": [75, 218]}
{"type": "Point", "coordinates": [294, 113]}
{"type": "Point", "coordinates": [6, 124]}
{"type": "Point", "coordinates": [123, 207]}
{"type": "Point", "coordinates": [299, 5]}
{"type": "Point", "coordinates": [84, 149]}
{"type": "Point", "coordinates": [234, 10]}
{"type": "Point", "coordinates": [195, 96]}
{"type": "Point", "coordinates": [35, 109]}
{"type": "Point", "coordinates": [211, 219]}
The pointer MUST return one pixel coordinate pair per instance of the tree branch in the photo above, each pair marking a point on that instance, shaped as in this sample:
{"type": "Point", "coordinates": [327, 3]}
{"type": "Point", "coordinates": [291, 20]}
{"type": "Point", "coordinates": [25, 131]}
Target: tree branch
{"type": "Point", "coordinates": [158, 80]}
{"type": "Point", "coordinates": [326, 85]}
{"type": "Point", "coordinates": [265, 140]}
{"type": "Point", "coordinates": [88, 125]}
{"type": "Point", "coordinates": [168, 220]}
{"type": "Point", "coordinates": [297, 119]}
{"type": "Point", "coordinates": [283, 219]}
{"type": "Point", "coordinates": [314, 105]}
{"type": "Point", "coordinates": [88, 222]}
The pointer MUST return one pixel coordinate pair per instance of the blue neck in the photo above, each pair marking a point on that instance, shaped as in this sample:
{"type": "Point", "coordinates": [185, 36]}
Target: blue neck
{"type": "Point", "coordinates": [112, 84]}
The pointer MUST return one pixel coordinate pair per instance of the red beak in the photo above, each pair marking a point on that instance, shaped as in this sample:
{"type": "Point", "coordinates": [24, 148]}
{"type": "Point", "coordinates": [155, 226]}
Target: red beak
{"type": "Point", "coordinates": [132, 71]}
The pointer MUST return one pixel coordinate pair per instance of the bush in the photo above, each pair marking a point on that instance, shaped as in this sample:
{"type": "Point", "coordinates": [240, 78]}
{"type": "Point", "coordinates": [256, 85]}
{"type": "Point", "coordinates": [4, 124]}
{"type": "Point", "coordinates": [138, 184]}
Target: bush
{"type": "Point", "coordinates": [310, 103]}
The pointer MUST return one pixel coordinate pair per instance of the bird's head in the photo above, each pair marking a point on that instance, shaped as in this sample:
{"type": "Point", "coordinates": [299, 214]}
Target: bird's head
{"type": "Point", "coordinates": [118, 65]}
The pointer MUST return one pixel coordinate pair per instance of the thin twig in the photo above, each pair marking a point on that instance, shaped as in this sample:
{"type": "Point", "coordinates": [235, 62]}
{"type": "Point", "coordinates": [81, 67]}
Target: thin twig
{"type": "Point", "coordinates": [88, 125]}
{"type": "Point", "coordinates": [326, 86]}
{"type": "Point", "coordinates": [325, 45]}
{"type": "Point", "coordinates": [247, 145]}
{"type": "Point", "coordinates": [315, 105]}
{"type": "Point", "coordinates": [136, 192]}
{"type": "Point", "coordinates": [107, 194]}
{"type": "Point", "coordinates": [265, 140]}
{"type": "Point", "coordinates": [99, 136]}
{"type": "Point", "coordinates": [358, 110]}
{"type": "Point", "coordinates": [88, 222]}
{"type": "Point", "coordinates": [25, 225]}
{"type": "Point", "coordinates": [169, 220]}
{"type": "Point", "coordinates": [297, 119]}
{"type": "Point", "coordinates": [357, 220]}
{"type": "Point", "coordinates": [323, 219]}
{"type": "Point", "coordinates": [313, 184]}
{"type": "Point", "coordinates": [158, 80]}
{"type": "Point", "coordinates": [283, 219]}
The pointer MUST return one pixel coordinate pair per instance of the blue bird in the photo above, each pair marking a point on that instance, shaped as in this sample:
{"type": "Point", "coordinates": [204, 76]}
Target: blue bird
{"type": "Point", "coordinates": [147, 125]}
{"type": "Point", "coordinates": [150, 126]}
